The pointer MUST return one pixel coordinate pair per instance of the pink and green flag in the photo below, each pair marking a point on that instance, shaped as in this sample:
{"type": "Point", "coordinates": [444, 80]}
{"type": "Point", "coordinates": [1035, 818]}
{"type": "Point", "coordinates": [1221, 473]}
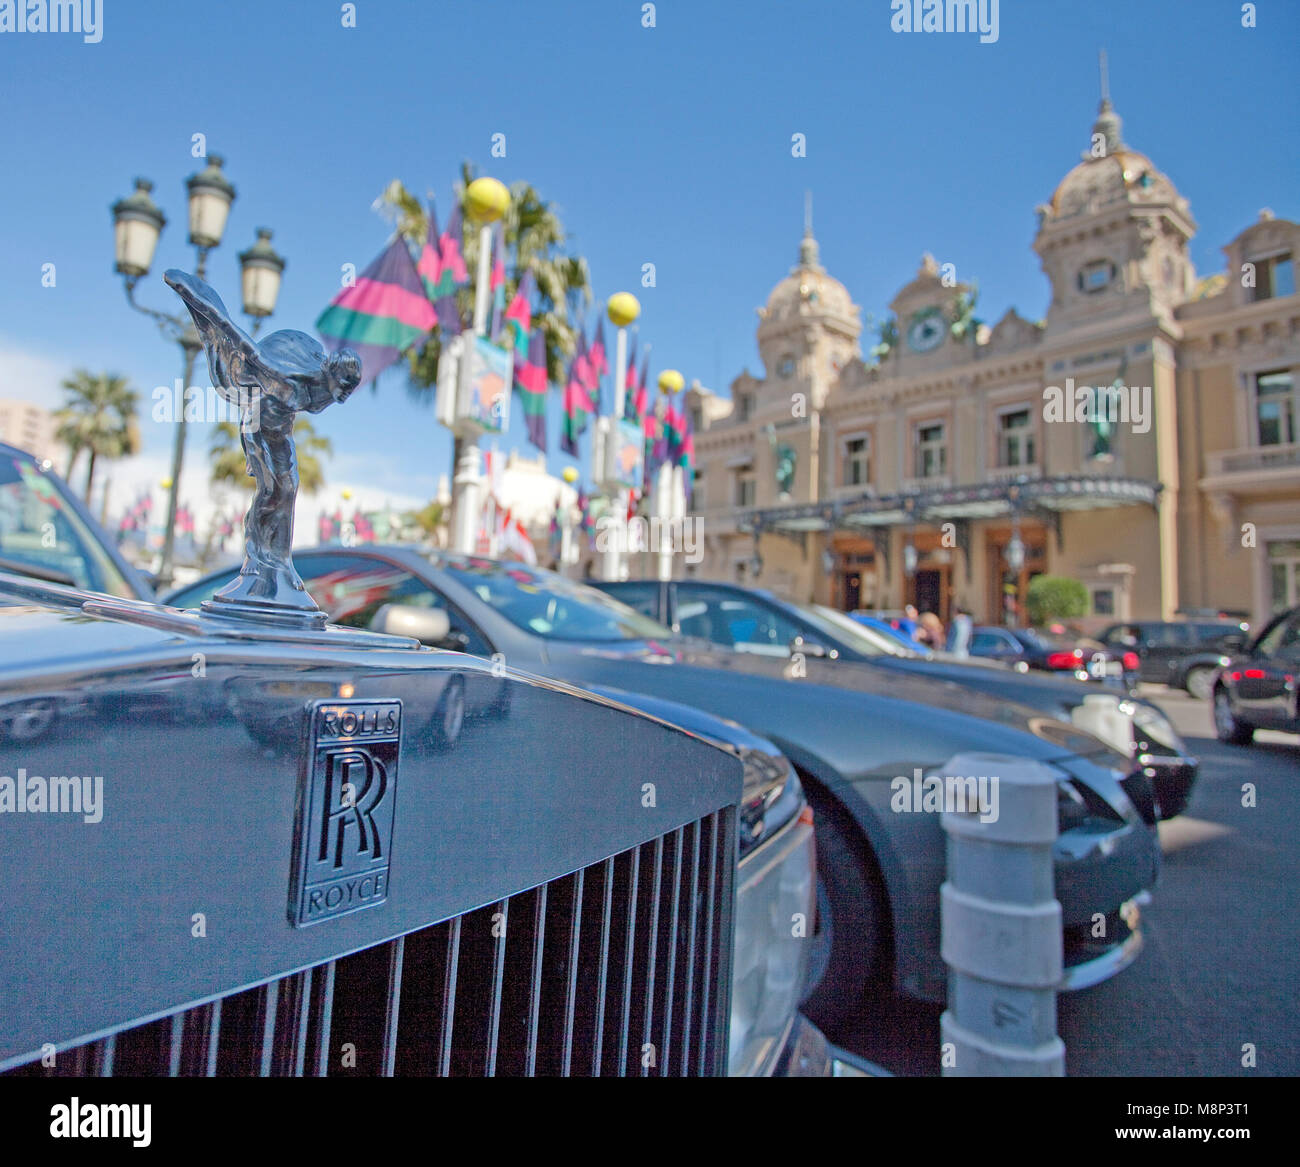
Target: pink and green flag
{"type": "Point", "coordinates": [452, 274]}
{"type": "Point", "coordinates": [382, 314]}
{"type": "Point", "coordinates": [429, 264]}
{"type": "Point", "coordinates": [578, 405]}
{"type": "Point", "coordinates": [530, 381]}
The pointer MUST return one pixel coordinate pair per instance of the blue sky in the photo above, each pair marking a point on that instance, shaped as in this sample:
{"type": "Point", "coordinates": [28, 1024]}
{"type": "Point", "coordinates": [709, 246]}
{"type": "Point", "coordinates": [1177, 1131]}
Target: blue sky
{"type": "Point", "coordinates": [667, 145]}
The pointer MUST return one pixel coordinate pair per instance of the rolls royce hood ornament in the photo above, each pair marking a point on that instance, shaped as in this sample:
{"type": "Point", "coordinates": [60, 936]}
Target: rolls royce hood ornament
{"type": "Point", "coordinates": [270, 382]}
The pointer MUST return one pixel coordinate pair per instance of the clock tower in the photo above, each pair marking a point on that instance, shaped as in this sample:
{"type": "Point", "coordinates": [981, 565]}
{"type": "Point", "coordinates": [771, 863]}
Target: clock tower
{"type": "Point", "coordinates": [924, 312]}
{"type": "Point", "coordinates": [808, 331]}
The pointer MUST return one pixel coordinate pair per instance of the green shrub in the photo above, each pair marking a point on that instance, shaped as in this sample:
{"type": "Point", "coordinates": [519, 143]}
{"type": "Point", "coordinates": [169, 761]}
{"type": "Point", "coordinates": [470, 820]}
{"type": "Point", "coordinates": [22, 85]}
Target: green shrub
{"type": "Point", "coordinates": [1055, 597]}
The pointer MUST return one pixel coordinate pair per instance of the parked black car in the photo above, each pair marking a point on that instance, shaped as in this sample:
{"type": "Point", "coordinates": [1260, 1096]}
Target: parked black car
{"type": "Point", "coordinates": [850, 730]}
{"type": "Point", "coordinates": [1184, 654]}
{"type": "Point", "coordinates": [1062, 653]}
{"type": "Point", "coordinates": [756, 621]}
{"type": "Point", "coordinates": [1257, 687]}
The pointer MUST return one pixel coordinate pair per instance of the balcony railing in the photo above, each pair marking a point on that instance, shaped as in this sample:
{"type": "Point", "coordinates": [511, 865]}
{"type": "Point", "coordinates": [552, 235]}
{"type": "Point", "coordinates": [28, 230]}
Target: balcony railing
{"type": "Point", "coordinates": [1254, 459]}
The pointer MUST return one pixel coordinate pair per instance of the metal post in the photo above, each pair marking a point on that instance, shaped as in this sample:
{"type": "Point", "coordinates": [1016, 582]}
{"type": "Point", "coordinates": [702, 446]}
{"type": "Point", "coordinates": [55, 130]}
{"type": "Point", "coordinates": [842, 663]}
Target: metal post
{"type": "Point", "coordinates": [1001, 923]}
{"type": "Point", "coordinates": [467, 482]}
{"type": "Point", "coordinates": [666, 508]}
{"type": "Point", "coordinates": [190, 345]}
{"type": "Point", "coordinates": [616, 526]}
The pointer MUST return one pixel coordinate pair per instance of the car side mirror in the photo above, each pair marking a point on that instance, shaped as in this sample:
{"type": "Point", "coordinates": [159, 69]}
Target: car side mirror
{"type": "Point", "coordinates": [430, 626]}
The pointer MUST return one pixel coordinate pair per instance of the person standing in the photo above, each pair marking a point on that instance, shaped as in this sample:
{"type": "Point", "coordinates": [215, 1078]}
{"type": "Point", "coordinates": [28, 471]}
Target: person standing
{"type": "Point", "coordinates": [959, 635]}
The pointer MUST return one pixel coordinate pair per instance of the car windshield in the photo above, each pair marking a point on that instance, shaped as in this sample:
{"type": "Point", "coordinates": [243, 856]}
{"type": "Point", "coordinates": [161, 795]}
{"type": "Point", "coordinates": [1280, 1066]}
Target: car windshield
{"type": "Point", "coordinates": [857, 636]}
{"type": "Point", "coordinates": [42, 535]}
{"type": "Point", "coordinates": [549, 605]}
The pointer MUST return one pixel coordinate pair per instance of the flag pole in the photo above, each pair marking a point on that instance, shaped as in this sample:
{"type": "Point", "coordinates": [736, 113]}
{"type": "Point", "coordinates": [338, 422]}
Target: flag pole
{"type": "Point", "coordinates": [487, 200]}
{"type": "Point", "coordinates": [622, 309]}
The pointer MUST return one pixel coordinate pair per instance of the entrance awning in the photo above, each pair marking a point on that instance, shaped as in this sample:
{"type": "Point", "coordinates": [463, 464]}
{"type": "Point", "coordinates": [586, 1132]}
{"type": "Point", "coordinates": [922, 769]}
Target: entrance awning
{"type": "Point", "coordinates": [986, 500]}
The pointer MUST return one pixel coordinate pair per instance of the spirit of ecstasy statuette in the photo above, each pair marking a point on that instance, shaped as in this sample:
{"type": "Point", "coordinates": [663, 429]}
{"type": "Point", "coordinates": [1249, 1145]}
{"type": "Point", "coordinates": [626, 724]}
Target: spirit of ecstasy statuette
{"type": "Point", "coordinates": [270, 382]}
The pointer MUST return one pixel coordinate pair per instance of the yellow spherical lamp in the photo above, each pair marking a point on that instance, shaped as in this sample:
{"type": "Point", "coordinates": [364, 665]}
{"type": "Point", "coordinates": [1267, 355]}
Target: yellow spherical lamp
{"type": "Point", "coordinates": [671, 381]}
{"type": "Point", "coordinates": [623, 308]}
{"type": "Point", "coordinates": [569, 474]}
{"type": "Point", "coordinates": [486, 200]}
{"type": "Point", "coordinates": [346, 492]}
{"type": "Point", "coordinates": [165, 484]}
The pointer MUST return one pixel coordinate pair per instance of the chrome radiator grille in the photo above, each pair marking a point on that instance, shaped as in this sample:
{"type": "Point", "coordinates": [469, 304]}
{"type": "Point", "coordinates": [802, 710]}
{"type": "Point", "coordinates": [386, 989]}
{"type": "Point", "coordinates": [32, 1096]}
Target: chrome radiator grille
{"type": "Point", "coordinates": [621, 968]}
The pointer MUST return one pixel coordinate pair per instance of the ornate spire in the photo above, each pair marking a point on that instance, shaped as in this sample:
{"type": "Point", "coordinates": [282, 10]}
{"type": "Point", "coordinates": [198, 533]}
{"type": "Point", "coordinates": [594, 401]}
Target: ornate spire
{"type": "Point", "coordinates": [809, 254]}
{"type": "Point", "coordinates": [1108, 125]}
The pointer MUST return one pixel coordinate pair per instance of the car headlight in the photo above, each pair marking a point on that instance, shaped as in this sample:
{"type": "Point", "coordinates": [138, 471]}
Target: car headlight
{"type": "Point", "coordinates": [776, 898]}
{"type": "Point", "coordinates": [1150, 723]}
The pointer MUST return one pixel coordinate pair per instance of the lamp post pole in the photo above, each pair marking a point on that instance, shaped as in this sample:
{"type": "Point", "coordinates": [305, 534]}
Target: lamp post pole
{"type": "Point", "coordinates": [670, 496]}
{"type": "Point", "coordinates": [137, 226]}
{"type": "Point", "coordinates": [623, 309]}
{"type": "Point", "coordinates": [487, 200]}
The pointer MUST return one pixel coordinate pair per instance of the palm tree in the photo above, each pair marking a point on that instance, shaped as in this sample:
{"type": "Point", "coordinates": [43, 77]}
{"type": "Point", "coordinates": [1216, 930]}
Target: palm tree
{"type": "Point", "coordinates": [230, 467]}
{"type": "Point", "coordinates": [535, 238]}
{"type": "Point", "coordinates": [98, 416]}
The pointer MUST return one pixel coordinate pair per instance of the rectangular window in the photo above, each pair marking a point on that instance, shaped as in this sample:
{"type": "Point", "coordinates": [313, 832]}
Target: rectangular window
{"type": "Point", "coordinates": [1274, 277]}
{"type": "Point", "coordinates": [1275, 409]}
{"type": "Point", "coordinates": [744, 407]}
{"type": "Point", "coordinates": [1284, 574]}
{"type": "Point", "coordinates": [931, 450]}
{"type": "Point", "coordinates": [857, 461]}
{"type": "Point", "coordinates": [745, 488]}
{"type": "Point", "coordinates": [1016, 439]}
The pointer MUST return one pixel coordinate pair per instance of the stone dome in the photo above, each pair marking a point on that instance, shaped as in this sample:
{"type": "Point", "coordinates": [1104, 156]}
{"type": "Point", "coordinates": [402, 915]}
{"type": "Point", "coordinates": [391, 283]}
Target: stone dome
{"type": "Point", "coordinates": [807, 289]}
{"type": "Point", "coordinates": [1120, 175]}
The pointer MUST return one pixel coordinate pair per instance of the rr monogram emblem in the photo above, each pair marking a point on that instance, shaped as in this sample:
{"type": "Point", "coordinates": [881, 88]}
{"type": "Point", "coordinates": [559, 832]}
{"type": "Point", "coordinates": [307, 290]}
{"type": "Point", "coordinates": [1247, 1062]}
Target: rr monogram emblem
{"type": "Point", "coordinates": [343, 839]}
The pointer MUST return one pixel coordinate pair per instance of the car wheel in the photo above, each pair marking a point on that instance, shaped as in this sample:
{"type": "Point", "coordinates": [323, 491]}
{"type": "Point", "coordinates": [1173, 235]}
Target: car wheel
{"type": "Point", "coordinates": [849, 936]}
{"type": "Point", "coordinates": [25, 721]}
{"type": "Point", "coordinates": [449, 717]}
{"type": "Point", "coordinates": [1199, 682]}
{"type": "Point", "coordinates": [1226, 725]}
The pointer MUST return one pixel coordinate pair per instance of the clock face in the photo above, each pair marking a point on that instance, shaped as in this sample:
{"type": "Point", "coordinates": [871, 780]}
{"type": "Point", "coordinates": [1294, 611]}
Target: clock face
{"type": "Point", "coordinates": [926, 330]}
{"type": "Point", "coordinates": [786, 367]}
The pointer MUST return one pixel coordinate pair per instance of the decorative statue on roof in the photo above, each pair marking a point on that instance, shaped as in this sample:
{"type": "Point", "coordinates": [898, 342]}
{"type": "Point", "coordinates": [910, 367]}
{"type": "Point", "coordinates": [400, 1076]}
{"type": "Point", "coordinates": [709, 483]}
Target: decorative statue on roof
{"type": "Point", "coordinates": [270, 382]}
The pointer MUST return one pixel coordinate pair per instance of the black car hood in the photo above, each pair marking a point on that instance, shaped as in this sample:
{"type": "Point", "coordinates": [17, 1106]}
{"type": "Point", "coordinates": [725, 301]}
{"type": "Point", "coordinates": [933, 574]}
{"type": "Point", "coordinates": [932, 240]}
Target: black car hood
{"type": "Point", "coordinates": [925, 692]}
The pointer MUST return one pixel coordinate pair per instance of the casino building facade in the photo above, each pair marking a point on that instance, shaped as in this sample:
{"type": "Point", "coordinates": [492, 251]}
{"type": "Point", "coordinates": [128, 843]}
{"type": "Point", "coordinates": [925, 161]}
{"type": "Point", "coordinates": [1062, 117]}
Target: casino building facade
{"type": "Point", "coordinates": [934, 472]}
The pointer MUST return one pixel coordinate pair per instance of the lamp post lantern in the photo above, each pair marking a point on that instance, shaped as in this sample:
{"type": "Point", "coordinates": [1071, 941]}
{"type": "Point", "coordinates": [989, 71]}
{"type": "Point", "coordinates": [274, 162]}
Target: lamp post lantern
{"type": "Point", "coordinates": [137, 226]}
{"type": "Point", "coordinates": [261, 268]}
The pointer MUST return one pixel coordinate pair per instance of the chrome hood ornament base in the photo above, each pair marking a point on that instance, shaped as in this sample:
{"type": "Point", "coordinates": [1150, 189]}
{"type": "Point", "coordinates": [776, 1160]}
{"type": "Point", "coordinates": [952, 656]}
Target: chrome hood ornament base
{"type": "Point", "coordinates": [270, 382]}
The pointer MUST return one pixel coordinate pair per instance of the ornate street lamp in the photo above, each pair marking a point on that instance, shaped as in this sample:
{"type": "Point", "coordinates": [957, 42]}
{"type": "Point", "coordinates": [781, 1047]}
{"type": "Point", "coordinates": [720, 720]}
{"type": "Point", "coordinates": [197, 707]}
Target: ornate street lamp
{"type": "Point", "coordinates": [261, 268]}
{"type": "Point", "coordinates": [210, 197]}
{"type": "Point", "coordinates": [137, 225]}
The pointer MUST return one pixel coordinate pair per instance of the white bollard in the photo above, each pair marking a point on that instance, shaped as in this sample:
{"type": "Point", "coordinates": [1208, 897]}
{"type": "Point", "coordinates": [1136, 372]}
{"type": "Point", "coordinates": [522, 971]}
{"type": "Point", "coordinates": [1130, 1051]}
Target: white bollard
{"type": "Point", "coordinates": [1001, 924]}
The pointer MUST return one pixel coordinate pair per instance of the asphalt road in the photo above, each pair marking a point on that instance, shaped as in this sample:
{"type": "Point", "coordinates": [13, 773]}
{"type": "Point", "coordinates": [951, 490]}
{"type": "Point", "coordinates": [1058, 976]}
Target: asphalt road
{"type": "Point", "coordinates": [1221, 964]}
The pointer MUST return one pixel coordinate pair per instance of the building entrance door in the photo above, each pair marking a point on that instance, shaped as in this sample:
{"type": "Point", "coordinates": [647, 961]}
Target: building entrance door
{"type": "Point", "coordinates": [928, 591]}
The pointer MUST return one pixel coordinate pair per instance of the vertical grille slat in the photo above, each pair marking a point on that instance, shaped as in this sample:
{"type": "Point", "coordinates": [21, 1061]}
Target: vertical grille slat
{"type": "Point", "coordinates": [656, 906]}
{"type": "Point", "coordinates": [607, 904]}
{"type": "Point", "coordinates": [535, 985]}
{"type": "Point", "coordinates": [575, 935]}
{"type": "Point", "coordinates": [394, 992]}
{"type": "Point", "coordinates": [449, 997]}
{"type": "Point", "coordinates": [629, 953]}
{"type": "Point", "coordinates": [689, 998]}
{"type": "Point", "coordinates": [322, 1013]}
{"type": "Point", "coordinates": [528, 985]}
{"type": "Point", "coordinates": [665, 1049]}
{"type": "Point", "coordinates": [270, 994]}
{"type": "Point", "coordinates": [498, 977]}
